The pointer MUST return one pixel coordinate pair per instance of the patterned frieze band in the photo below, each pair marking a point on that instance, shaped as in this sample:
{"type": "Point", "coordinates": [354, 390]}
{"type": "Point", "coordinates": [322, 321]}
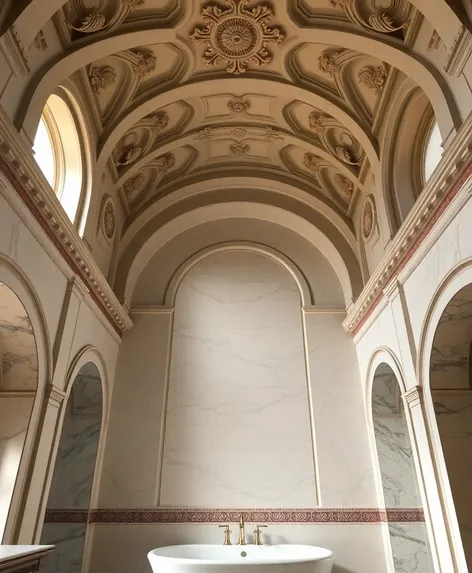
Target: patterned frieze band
{"type": "Point", "coordinates": [173, 515]}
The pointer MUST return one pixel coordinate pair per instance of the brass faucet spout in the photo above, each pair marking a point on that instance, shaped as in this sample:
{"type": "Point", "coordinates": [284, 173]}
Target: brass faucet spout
{"type": "Point", "coordinates": [242, 531]}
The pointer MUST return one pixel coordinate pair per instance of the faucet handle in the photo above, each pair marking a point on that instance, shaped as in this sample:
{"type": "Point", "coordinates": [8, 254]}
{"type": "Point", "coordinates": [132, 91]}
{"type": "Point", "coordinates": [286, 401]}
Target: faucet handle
{"type": "Point", "coordinates": [257, 534]}
{"type": "Point", "coordinates": [227, 534]}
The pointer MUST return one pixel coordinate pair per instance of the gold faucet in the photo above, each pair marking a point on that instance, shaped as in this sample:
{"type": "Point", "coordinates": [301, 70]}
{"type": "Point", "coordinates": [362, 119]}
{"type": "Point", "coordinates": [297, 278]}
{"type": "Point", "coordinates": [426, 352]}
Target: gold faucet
{"type": "Point", "coordinates": [257, 534]}
{"type": "Point", "coordinates": [242, 531]}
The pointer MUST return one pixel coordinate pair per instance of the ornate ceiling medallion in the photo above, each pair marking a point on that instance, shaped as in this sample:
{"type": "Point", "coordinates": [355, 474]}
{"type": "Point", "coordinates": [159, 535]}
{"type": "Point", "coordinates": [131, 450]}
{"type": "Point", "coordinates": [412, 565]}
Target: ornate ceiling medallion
{"type": "Point", "coordinates": [237, 36]}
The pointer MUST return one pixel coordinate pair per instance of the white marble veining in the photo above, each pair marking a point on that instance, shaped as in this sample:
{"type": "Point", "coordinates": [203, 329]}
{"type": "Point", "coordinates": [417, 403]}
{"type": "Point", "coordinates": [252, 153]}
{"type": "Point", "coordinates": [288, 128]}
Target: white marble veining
{"type": "Point", "coordinates": [410, 548]}
{"type": "Point", "coordinates": [238, 424]}
{"type": "Point", "coordinates": [345, 465]}
{"type": "Point", "coordinates": [14, 419]}
{"type": "Point", "coordinates": [69, 539]}
{"type": "Point", "coordinates": [454, 418]}
{"type": "Point", "coordinates": [18, 358]}
{"type": "Point", "coordinates": [409, 543]}
{"type": "Point", "coordinates": [75, 461]}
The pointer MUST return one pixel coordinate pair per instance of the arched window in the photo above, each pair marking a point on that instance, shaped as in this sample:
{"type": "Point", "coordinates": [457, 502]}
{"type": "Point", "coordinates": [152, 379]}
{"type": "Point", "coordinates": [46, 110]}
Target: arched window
{"type": "Point", "coordinates": [59, 152]}
{"type": "Point", "coordinates": [432, 151]}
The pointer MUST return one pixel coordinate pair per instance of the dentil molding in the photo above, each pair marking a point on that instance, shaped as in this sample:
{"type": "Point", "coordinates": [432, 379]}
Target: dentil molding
{"type": "Point", "coordinates": [19, 167]}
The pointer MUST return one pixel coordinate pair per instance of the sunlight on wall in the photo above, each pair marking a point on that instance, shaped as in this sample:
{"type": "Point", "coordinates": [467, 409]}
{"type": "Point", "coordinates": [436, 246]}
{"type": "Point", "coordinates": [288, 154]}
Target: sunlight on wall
{"type": "Point", "coordinates": [433, 152]}
{"type": "Point", "coordinates": [58, 153]}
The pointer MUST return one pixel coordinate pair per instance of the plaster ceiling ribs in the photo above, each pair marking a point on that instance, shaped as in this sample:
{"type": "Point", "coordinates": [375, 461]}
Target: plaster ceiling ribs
{"type": "Point", "coordinates": [183, 90]}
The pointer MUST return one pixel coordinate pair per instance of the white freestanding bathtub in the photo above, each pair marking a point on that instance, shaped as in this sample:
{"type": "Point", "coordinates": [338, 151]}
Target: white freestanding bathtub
{"type": "Point", "coordinates": [244, 558]}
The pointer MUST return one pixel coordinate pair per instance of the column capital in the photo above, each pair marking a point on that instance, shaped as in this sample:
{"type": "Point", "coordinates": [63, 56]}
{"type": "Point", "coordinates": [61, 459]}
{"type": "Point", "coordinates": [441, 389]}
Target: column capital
{"type": "Point", "coordinates": [413, 397]}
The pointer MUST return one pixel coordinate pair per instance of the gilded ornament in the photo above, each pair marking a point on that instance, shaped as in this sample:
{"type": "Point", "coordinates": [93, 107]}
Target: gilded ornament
{"type": "Point", "coordinates": [238, 105]}
{"type": "Point", "coordinates": [144, 63]}
{"type": "Point", "coordinates": [101, 77]}
{"type": "Point", "coordinates": [316, 121]}
{"type": "Point", "coordinates": [311, 163]}
{"type": "Point", "coordinates": [239, 148]}
{"type": "Point", "coordinates": [237, 36]}
{"type": "Point", "coordinates": [328, 64]}
{"type": "Point", "coordinates": [374, 77]}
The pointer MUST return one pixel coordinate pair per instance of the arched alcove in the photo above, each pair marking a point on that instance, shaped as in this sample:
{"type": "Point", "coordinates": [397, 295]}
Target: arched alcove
{"type": "Point", "coordinates": [18, 386]}
{"type": "Point", "coordinates": [238, 395]}
{"type": "Point", "coordinates": [450, 383]}
{"type": "Point", "coordinates": [408, 542]}
{"type": "Point", "coordinates": [74, 470]}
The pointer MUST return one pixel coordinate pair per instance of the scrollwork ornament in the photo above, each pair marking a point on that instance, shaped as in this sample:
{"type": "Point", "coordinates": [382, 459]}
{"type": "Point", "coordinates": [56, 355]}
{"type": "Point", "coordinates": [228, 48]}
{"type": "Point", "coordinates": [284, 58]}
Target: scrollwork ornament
{"type": "Point", "coordinates": [91, 21]}
{"type": "Point", "coordinates": [129, 155]}
{"type": "Point", "coordinates": [383, 20]}
{"type": "Point", "coordinates": [374, 77]}
{"type": "Point", "coordinates": [101, 78]}
{"type": "Point", "coordinates": [237, 36]}
{"type": "Point", "coordinates": [311, 163]}
{"type": "Point", "coordinates": [133, 186]}
{"type": "Point", "coordinates": [144, 63]}
{"type": "Point", "coordinates": [109, 219]}
{"type": "Point", "coordinates": [368, 218]}
{"type": "Point", "coordinates": [346, 155]}
{"type": "Point", "coordinates": [316, 121]}
{"type": "Point", "coordinates": [328, 63]}
{"type": "Point", "coordinates": [345, 187]}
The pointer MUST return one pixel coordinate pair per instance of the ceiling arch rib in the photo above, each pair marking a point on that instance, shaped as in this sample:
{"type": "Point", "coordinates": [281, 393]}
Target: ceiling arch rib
{"type": "Point", "coordinates": [215, 183]}
{"type": "Point", "coordinates": [231, 210]}
{"type": "Point", "coordinates": [189, 139]}
{"type": "Point", "coordinates": [394, 54]}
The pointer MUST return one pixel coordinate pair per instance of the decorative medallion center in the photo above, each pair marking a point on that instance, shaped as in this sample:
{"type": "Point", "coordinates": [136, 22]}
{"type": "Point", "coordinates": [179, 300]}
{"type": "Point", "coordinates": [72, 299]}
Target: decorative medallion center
{"type": "Point", "coordinates": [237, 36]}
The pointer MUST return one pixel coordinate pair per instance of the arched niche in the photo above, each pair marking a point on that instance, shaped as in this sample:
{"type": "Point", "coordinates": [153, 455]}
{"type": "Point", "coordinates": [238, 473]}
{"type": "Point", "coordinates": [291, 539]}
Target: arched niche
{"type": "Point", "coordinates": [18, 388]}
{"type": "Point", "coordinates": [238, 398]}
{"type": "Point", "coordinates": [451, 389]}
{"type": "Point", "coordinates": [408, 546]}
{"type": "Point", "coordinates": [74, 472]}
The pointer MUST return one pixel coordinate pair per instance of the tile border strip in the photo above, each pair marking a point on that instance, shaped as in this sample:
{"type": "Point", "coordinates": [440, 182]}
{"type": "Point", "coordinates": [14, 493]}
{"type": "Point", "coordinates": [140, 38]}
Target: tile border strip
{"type": "Point", "coordinates": [173, 515]}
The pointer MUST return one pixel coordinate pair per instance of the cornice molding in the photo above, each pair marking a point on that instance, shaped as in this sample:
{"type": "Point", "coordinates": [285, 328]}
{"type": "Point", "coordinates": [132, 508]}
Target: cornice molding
{"type": "Point", "coordinates": [451, 174]}
{"type": "Point", "coordinates": [460, 53]}
{"type": "Point", "coordinates": [20, 169]}
{"type": "Point", "coordinates": [14, 52]}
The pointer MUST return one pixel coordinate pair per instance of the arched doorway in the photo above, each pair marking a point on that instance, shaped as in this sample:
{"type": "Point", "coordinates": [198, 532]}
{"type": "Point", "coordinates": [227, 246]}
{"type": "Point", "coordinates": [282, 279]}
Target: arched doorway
{"type": "Point", "coordinates": [407, 532]}
{"type": "Point", "coordinates": [71, 487]}
{"type": "Point", "coordinates": [18, 385]}
{"type": "Point", "coordinates": [451, 388]}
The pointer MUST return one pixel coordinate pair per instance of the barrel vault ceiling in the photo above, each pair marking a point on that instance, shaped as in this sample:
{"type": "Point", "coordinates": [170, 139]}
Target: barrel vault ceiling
{"type": "Point", "coordinates": [290, 91]}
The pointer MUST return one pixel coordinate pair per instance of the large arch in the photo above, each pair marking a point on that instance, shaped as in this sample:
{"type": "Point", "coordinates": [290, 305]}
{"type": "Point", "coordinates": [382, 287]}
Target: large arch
{"type": "Point", "coordinates": [18, 282]}
{"type": "Point", "coordinates": [243, 210]}
{"type": "Point", "coordinates": [428, 78]}
{"type": "Point", "coordinates": [457, 279]}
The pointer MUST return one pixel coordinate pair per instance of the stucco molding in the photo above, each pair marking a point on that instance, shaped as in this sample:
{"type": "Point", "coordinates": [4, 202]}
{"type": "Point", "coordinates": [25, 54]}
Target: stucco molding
{"type": "Point", "coordinates": [449, 178]}
{"type": "Point", "coordinates": [20, 169]}
{"type": "Point", "coordinates": [460, 53]}
{"type": "Point", "coordinates": [413, 397]}
{"type": "Point", "coordinates": [15, 54]}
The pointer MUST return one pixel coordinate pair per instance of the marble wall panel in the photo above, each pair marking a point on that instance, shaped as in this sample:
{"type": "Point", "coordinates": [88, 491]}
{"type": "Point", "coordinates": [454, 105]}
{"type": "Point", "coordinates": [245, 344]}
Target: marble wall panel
{"type": "Point", "coordinates": [69, 539]}
{"type": "Point", "coordinates": [238, 421]}
{"type": "Point", "coordinates": [454, 419]}
{"type": "Point", "coordinates": [410, 548]}
{"type": "Point", "coordinates": [14, 419]}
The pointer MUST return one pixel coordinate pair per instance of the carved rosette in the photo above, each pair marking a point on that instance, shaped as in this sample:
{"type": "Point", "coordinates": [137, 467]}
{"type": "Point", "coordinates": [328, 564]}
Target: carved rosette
{"type": "Point", "coordinates": [206, 134]}
{"type": "Point", "coordinates": [237, 36]}
{"type": "Point", "coordinates": [238, 133]}
{"type": "Point", "coordinates": [374, 77]}
{"type": "Point", "coordinates": [238, 105]}
{"type": "Point", "coordinates": [108, 219]}
{"type": "Point", "coordinates": [369, 216]}
{"type": "Point", "coordinates": [272, 135]}
{"type": "Point", "coordinates": [101, 77]}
